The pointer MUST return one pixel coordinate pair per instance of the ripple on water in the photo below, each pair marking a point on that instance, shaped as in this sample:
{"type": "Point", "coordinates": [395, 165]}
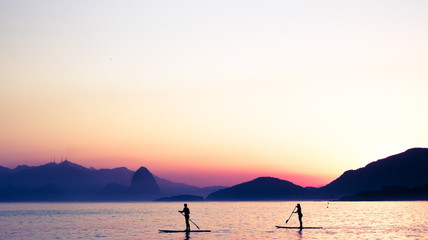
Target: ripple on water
{"type": "Point", "coordinates": [228, 220]}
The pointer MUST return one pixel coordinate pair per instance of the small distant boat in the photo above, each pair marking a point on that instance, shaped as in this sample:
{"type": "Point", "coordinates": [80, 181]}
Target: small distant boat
{"type": "Point", "coordinates": [177, 231]}
{"type": "Point", "coordinates": [298, 227]}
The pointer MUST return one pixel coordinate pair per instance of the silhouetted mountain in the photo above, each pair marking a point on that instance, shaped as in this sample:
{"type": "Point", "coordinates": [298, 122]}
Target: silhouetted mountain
{"type": "Point", "coordinates": [47, 193]}
{"type": "Point", "coordinates": [76, 183]}
{"type": "Point", "coordinates": [143, 187]}
{"type": "Point", "coordinates": [181, 198]}
{"type": "Point", "coordinates": [115, 192]}
{"type": "Point", "coordinates": [21, 167]}
{"type": "Point", "coordinates": [4, 197]}
{"type": "Point", "coordinates": [13, 193]}
{"type": "Point", "coordinates": [263, 188]}
{"type": "Point", "coordinates": [407, 169]}
{"type": "Point", "coordinates": [172, 188]}
{"type": "Point", "coordinates": [393, 193]}
{"type": "Point", "coordinates": [4, 172]}
{"type": "Point", "coordinates": [3, 169]}
{"type": "Point", "coordinates": [142, 182]}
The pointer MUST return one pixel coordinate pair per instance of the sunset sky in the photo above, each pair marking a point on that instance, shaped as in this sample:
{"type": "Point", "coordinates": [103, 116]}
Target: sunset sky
{"type": "Point", "coordinates": [213, 92]}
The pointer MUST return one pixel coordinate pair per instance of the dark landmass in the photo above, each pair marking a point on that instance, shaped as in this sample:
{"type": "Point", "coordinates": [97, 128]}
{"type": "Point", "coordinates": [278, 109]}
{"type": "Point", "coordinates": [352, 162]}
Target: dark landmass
{"type": "Point", "coordinates": [393, 193]}
{"type": "Point", "coordinates": [181, 198]}
{"type": "Point", "coordinates": [407, 169]}
{"type": "Point", "coordinates": [171, 188]}
{"type": "Point", "coordinates": [76, 182]}
{"type": "Point", "coordinates": [67, 181]}
{"type": "Point", "coordinates": [47, 193]}
{"type": "Point", "coordinates": [143, 187]}
{"type": "Point", "coordinates": [115, 192]}
{"type": "Point", "coordinates": [259, 189]}
{"type": "Point", "coordinates": [143, 182]}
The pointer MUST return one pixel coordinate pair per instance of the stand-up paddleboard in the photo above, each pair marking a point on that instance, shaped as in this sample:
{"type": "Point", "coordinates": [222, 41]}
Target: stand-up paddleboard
{"type": "Point", "coordinates": [177, 231]}
{"type": "Point", "coordinates": [298, 227]}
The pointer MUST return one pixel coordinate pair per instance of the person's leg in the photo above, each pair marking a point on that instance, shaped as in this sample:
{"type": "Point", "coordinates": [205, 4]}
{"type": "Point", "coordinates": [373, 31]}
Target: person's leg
{"type": "Point", "coordinates": [187, 224]}
{"type": "Point", "coordinates": [300, 220]}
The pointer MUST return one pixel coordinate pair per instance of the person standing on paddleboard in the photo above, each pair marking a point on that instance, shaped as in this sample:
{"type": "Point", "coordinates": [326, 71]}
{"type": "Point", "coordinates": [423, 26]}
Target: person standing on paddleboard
{"type": "Point", "coordinates": [299, 212]}
{"type": "Point", "coordinates": [186, 212]}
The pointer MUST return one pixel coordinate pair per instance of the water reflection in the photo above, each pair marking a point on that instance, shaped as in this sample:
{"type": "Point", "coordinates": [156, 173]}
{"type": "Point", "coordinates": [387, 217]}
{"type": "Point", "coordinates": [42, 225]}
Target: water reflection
{"type": "Point", "coordinates": [300, 232]}
{"type": "Point", "coordinates": [187, 236]}
{"type": "Point", "coordinates": [227, 220]}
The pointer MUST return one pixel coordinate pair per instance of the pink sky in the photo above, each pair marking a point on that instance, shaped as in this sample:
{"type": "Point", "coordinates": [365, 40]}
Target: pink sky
{"type": "Point", "coordinates": [213, 92]}
{"type": "Point", "coordinates": [196, 175]}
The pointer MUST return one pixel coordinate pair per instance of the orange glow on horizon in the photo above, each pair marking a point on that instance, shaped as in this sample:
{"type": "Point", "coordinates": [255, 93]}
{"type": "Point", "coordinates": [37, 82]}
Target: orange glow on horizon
{"type": "Point", "coordinates": [213, 92]}
{"type": "Point", "coordinates": [184, 172]}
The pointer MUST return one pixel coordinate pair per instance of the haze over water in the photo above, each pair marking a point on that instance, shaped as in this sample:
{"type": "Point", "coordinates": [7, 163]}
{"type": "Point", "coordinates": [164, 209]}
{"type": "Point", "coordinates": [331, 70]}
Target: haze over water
{"type": "Point", "coordinates": [227, 220]}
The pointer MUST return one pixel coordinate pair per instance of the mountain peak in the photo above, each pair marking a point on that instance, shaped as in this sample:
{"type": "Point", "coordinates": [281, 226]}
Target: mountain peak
{"type": "Point", "coordinates": [144, 182]}
{"type": "Point", "coordinates": [417, 149]}
{"type": "Point", "coordinates": [268, 179]}
{"type": "Point", "coordinates": [262, 188]}
{"type": "Point", "coordinates": [407, 169]}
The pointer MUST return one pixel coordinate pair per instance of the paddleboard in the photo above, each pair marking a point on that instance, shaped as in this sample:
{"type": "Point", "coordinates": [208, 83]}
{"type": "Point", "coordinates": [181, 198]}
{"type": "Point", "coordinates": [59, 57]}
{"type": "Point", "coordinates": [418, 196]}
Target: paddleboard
{"type": "Point", "coordinates": [298, 227]}
{"type": "Point", "coordinates": [177, 231]}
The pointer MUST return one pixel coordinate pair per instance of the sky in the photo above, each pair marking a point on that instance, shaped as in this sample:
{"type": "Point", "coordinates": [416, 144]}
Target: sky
{"type": "Point", "coordinates": [213, 92]}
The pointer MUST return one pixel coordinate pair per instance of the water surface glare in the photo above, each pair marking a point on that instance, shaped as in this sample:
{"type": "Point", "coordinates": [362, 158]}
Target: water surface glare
{"type": "Point", "coordinates": [227, 220]}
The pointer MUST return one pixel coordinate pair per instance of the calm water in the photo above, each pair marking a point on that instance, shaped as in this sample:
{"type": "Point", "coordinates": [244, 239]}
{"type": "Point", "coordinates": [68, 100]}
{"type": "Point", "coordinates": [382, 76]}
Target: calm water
{"type": "Point", "coordinates": [227, 220]}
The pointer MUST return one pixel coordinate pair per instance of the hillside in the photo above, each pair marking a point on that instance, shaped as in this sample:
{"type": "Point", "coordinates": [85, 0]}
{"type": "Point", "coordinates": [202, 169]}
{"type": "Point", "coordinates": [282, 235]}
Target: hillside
{"type": "Point", "coordinates": [67, 181]}
{"type": "Point", "coordinates": [259, 189]}
{"type": "Point", "coordinates": [407, 169]}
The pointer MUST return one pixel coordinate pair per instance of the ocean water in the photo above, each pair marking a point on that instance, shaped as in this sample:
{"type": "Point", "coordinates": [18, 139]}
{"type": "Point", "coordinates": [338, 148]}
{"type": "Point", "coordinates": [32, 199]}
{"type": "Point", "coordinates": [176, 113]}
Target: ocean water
{"type": "Point", "coordinates": [227, 220]}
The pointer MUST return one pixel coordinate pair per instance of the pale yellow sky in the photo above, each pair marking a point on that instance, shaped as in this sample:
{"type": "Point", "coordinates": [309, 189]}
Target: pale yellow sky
{"type": "Point", "coordinates": [206, 87]}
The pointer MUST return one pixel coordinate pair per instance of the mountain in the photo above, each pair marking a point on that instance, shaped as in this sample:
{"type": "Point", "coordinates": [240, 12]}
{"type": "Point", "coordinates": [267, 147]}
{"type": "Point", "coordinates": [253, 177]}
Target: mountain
{"type": "Point", "coordinates": [407, 169]}
{"type": "Point", "coordinates": [143, 182]}
{"type": "Point", "coordinates": [171, 188]}
{"type": "Point", "coordinates": [47, 193]}
{"type": "Point", "coordinates": [143, 187]}
{"type": "Point", "coordinates": [3, 170]}
{"type": "Point", "coordinates": [116, 192]}
{"type": "Point", "coordinates": [259, 189]}
{"type": "Point", "coordinates": [67, 181]}
{"type": "Point", "coordinates": [66, 174]}
{"type": "Point", "coordinates": [78, 182]}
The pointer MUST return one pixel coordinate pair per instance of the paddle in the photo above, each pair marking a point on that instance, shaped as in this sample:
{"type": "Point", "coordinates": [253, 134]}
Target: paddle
{"type": "Point", "coordinates": [290, 215]}
{"type": "Point", "coordinates": [190, 220]}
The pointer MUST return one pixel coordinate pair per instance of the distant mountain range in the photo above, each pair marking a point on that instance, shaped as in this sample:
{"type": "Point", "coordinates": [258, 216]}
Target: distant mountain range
{"type": "Point", "coordinates": [405, 170]}
{"type": "Point", "coordinates": [66, 181]}
{"type": "Point", "coordinates": [398, 177]}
